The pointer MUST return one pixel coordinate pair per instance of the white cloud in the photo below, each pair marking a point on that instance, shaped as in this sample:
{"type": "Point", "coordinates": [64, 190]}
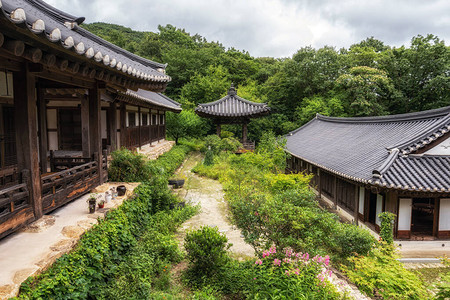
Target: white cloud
{"type": "Point", "coordinates": [276, 27]}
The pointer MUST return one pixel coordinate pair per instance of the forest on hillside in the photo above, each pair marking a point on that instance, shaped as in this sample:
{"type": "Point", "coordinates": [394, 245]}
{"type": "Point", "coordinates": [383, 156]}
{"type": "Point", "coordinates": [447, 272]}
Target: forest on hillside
{"type": "Point", "coordinates": [369, 78]}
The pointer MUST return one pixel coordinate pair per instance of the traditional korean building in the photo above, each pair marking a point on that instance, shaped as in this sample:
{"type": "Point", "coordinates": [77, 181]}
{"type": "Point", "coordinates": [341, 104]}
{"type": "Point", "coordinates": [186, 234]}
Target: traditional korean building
{"type": "Point", "coordinates": [233, 109]}
{"type": "Point", "coordinates": [66, 98]}
{"type": "Point", "coordinates": [365, 166]}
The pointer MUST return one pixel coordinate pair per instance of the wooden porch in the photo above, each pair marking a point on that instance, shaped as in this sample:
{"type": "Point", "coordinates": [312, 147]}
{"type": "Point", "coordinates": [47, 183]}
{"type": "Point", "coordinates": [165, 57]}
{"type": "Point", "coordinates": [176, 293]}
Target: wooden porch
{"type": "Point", "coordinates": [57, 189]}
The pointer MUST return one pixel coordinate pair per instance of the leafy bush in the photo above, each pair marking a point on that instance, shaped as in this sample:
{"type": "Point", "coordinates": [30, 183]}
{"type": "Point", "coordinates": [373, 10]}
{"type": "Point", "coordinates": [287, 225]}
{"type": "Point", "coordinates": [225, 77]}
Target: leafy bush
{"type": "Point", "coordinates": [387, 227]}
{"type": "Point", "coordinates": [217, 144]}
{"type": "Point", "coordinates": [170, 161]}
{"type": "Point", "coordinates": [128, 166]}
{"type": "Point", "coordinates": [206, 250]}
{"type": "Point", "coordinates": [381, 274]}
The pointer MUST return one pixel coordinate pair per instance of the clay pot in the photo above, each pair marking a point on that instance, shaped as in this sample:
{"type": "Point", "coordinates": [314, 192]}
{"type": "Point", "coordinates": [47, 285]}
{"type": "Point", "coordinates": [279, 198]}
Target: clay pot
{"type": "Point", "coordinates": [177, 183]}
{"type": "Point", "coordinates": [92, 203]}
{"type": "Point", "coordinates": [121, 190]}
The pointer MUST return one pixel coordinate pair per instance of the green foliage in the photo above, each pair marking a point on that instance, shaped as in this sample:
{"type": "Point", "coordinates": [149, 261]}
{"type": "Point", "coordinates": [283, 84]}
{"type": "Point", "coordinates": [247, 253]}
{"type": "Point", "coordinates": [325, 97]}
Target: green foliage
{"type": "Point", "coordinates": [387, 227]}
{"type": "Point", "coordinates": [128, 166]}
{"type": "Point", "coordinates": [114, 246]}
{"type": "Point", "coordinates": [318, 104]}
{"type": "Point", "coordinates": [381, 274]}
{"type": "Point", "coordinates": [206, 250]}
{"type": "Point", "coordinates": [443, 287]}
{"type": "Point", "coordinates": [216, 144]}
{"type": "Point", "coordinates": [170, 161]}
{"type": "Point", "coordinates": [205, 88]}
{"type": "Point", "coordinates": [185, 124]}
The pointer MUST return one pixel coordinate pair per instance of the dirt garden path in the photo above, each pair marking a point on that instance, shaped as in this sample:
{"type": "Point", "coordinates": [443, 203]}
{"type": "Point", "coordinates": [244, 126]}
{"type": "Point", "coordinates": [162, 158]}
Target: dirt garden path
{"type": "Point", "coordinates": [208, 193]}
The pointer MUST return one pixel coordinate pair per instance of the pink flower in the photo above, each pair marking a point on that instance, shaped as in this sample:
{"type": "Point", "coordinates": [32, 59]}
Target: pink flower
{"type": "Point", "coordinates": [276, 262]}
{"type": "Point", "coordinates": [287, 272]}
{"type": "Point", "coordinates": [273, 250]}
{"type": "Point", "coordinates": [254, 278]}
{"type": "Point", "coordinates": [327, 260]}
{"type": "Point", "coordinates": [258, 262]}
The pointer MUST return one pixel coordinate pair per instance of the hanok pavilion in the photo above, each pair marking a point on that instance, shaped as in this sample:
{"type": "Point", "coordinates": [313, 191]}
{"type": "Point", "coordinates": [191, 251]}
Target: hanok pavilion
{"type": "Point", "coordinates": [368, 165]}
{"type": "Point", "coordinates": [66, 97]}
{"type": "Point", "coordinates": [233, 109]}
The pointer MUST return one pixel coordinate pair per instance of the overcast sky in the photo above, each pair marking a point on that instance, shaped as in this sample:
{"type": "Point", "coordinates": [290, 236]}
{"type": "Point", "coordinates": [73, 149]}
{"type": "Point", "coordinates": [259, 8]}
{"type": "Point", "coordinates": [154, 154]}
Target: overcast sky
{"type": "Point", "coordinates": [276, 27]}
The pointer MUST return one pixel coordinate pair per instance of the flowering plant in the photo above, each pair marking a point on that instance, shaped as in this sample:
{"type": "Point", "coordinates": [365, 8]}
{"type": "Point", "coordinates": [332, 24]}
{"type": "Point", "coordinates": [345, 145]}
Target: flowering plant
{"type": "Point", "coordinates": [292, 275]}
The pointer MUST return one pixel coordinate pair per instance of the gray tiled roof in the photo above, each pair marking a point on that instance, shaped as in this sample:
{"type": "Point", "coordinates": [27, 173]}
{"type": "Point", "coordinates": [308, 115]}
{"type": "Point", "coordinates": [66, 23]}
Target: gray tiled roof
{"type": "Point", "coordinates": [53, 25]}
{"type": "Point", "coordinates": [151, 98]}
{"type": "Point", "coordinates": [374, 149]}
{"type": "Point", "coordinates": [232, 106]}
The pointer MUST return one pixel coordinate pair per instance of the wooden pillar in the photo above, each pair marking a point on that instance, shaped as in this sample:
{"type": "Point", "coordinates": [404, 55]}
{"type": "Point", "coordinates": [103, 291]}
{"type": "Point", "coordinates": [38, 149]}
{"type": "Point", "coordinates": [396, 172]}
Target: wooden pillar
{"type": "Point", "coordinates": [335, 192]}
{"type": "Point", "coordinates": [139, 127]}
{"type": "Point", "coordinates": [244, 133]}
{"type": "Point", "coordinates": [355, 213]}
{"type": "Point", "coordinates": [112, 126]}
{"type": "Point", "coordinates": [95, 128]}
{"type": "Point", "coordinates": [26, 135]}
{"type": "Point", "coordinates": [85, 134]}
{"type": "Point", "coordinates": [218, 129]}
{"type": "Point", "coordinates": [123, 125]}
{"type": "Point", "coordinates": [42, 119]}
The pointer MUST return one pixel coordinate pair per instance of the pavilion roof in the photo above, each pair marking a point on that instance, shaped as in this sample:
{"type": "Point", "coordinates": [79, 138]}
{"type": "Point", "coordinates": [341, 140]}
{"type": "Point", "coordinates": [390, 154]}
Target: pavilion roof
{"type": "Point", "coordinates": [387, 151]}
{"type": "Point", "coordinates": [232, 106]}
{"type": "Point", "coordinates": [43, 26]}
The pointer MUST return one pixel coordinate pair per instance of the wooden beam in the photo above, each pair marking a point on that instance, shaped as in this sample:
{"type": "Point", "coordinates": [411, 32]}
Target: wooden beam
{"type": "Point", "coordinates": [62, 64]}
{"type": "Point", "coordinates": [42, 119]}
{"type": "Point", "coordinates": [139, 128]}
{"type": "Point", "coordinates": [2, 39]}
{"type": "Point", "coordinates": [123, 125]}
{"type": "Point", "coordinates": [335, 192]}
{"type": "Point", "coordinates": [49, 60]}
{"type": "Point", "coordinates": [74, 68]}
{"type": "Point", "coordinates": [15, 47]}
{"type": "Point", "coordinates": [95, 134]}
{"type": "Point", "coordinates": [26, 134]}
{"type": "Point", "coordinates": [33, 54]}
{"type": "Point", "coordinates": [63, 77]}
{"type": "Point", "coordinates": [85, 139]}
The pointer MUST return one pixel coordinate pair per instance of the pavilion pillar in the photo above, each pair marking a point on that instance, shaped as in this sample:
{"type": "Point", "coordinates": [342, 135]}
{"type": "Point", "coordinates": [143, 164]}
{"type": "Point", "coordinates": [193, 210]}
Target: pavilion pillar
{"type": "Point", "coordinates": [85, 139]}
{"type": "Point", "coordinates": [43, 139]}
{"type": "Point", "coordinates": [95, 128]}
{"type": "Point", "coordinates": [218, 129]}
{"type": "Point", "coordinates": [123, 125]}
{"type": "Point", "coordinates": [139, 127]}
{"type": "Point", "coordinates": [112, 126]}
{"type": "Point", "coordinates": [244, 133]}
{"type": "Point", "coordinates": [356, 206]}
{"type": "Point", "coordinates": [335, 193]}
{"type": "Point", "coordinates": [25, 110]}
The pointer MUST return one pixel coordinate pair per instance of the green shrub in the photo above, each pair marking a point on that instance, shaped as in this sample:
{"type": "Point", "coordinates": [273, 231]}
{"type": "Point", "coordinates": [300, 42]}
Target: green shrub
{"type": "Point", "coordinates": [128, 166]}
{"type": "Point", "coordinates": [217, 144]}
{"type": "Point", "coordinates": [206, 250]}
{"type": "Point", "coordinates": [167, 163]}
{"type": "Point", "coordinates": [352, 240]}
{"type": "Point", "coordinates": [387, 227]}
{"type": "Point", "coordinates": [226, 134]}
{"type": "Point", "coordinates": [381, 274]}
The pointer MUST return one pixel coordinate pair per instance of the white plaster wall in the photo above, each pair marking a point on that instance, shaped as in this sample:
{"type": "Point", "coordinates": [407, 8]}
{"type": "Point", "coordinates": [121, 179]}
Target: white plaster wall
{"type": "Point", "coordinates": [52, 123]}
{"type": "Point", "coordinates": [404, 214]}
{"type": "Point", "coordinates": [103, 124]}
{"type": "Point", "coordinates": [444, 214]}
{"type": "Point", "coordinates": [379, 208]}
{"type": "Point", "coordinates": [52, 140]}
{"type": "Point", "coordinates": [441, 149]}
{"type": "Point", "coordinates": [362, 192]}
